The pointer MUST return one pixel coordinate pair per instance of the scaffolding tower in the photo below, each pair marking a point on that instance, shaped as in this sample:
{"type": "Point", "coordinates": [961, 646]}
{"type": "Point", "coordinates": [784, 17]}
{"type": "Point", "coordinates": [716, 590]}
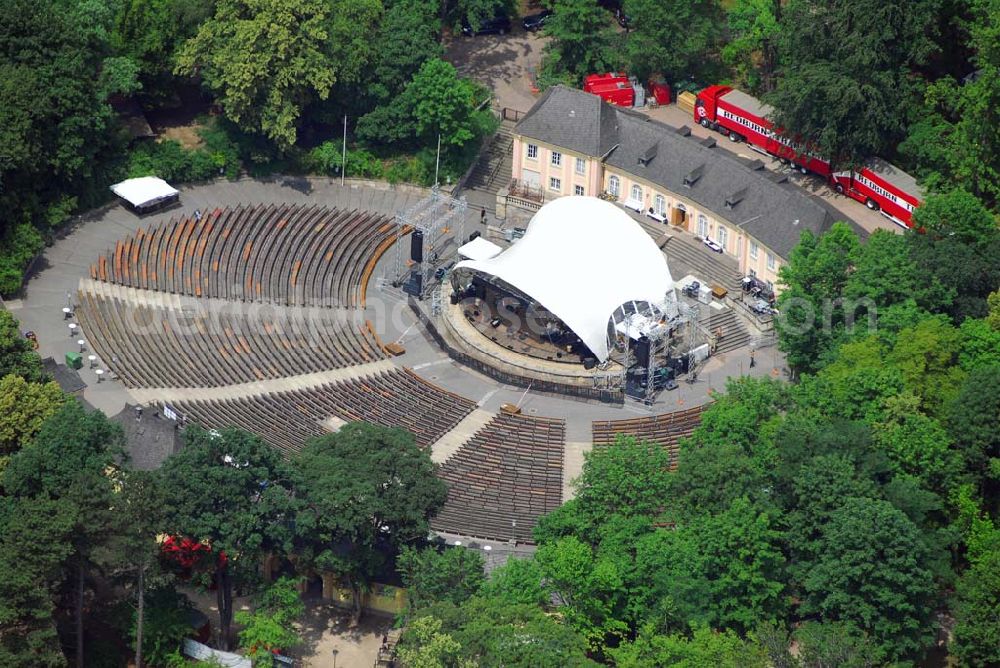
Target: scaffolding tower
{"type": "Point", "coordinates": [671, 337]}
{"type": "Point", "coordinates": [440, 219]}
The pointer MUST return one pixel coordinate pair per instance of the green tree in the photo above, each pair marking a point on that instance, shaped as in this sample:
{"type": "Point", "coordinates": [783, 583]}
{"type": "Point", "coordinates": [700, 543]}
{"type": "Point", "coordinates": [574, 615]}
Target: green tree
{"type": "Point", "coordinates": [270, 626]}
{"type": "Point", "coordinates": [705, 647]}
{"type": "Point", "coordinates": [956, 143]}
{"type": "Point", "coordinates": [582, 40]}
{"type": "Point", "coordinates": [17, 355]}
{"type": "Point", "coordinates": [629, 479]}
{"type": "Point", "coordinates": [892, 602]}
{"type": "Point", "coordinates": [408, 36]}
{"type": "Point", "coordinates": [31, 580]}
{"type": "Point", "coordinates": [973, 420]}
{"type": "Point", "coordinates": [812, 317]}
{"type": "Point", "coordinates": [430, 575]}
{"type": "Point", "coordinates": [977, 605]}
{"type": "Point", "coordinates": [444, 104]}
{"type": "Point", "coordinates": [53, 120]}
{"type": "Point", "coordinates": [133, 550]}
{"type": "Point", "coordinates": [367, 491]}
{"type": "Point", "coordinates": [517, 581]}
{"type": "Point", "coordinates": [844, 86]}
{"type": "Point", "coordinates": [486, 632]}
{"type": "Point", "coordinates": [75, 458]}
{"type": "Point", "coordinates": [754, 27]}
{"type": "Point", "coordinates": [427, 647]}
{"type": "Point", "coordinates": [823, 644]}
{"type": "Point", "coordinates": [236, 492]}
{"type": "Point", "coordinates": [166, 622]}
{"type": "Point", "coordinates": [957, 250]}
{"type": "Point", "coordinates": [917, 444]}
{"type": "Point", "coordinates": [673, 39]}
{"type": "Point", "coordinates": [149, 33]}
{"type": "Point", "coordinates": [24, 407]}
{"type": "Point", "coordinates": [724, 571]}
{"type": "Point", "coordinates": [268, 60]}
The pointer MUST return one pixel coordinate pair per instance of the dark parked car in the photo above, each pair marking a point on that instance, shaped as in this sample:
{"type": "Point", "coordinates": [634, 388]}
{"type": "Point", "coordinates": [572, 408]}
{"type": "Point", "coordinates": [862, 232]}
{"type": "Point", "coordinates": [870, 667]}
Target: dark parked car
{"type": "Point", "coordinates": [533, 22]}
{"type": "Point", "coordinates": [498, 25]}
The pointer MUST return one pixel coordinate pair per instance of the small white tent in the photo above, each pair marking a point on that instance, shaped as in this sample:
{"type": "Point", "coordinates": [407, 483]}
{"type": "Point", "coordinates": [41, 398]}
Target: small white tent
{"type": "Point", "coordinates": [479, 249]}
{"type": "Point", "coordinates": [146, 193]}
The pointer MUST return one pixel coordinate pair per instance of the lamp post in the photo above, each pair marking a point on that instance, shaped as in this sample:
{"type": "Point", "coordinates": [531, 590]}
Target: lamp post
{"type": "Point", "coordinates": [335, 652]}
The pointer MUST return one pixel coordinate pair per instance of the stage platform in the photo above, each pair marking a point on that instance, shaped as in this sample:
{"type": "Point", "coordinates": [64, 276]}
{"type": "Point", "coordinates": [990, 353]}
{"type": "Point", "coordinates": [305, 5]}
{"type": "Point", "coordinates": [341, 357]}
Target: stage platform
{"type": "Point", "coordinates": [507, 334]}
{"type": "Point", "coordinates": [528, 358]}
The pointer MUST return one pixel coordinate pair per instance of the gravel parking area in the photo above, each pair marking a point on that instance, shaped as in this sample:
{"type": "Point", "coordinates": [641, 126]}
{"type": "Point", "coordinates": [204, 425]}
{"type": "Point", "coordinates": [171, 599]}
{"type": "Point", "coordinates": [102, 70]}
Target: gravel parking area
{"type": "Point", "coordinates": [505, 63]}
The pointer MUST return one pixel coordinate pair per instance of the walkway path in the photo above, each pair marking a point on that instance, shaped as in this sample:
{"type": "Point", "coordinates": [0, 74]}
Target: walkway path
{"type": "Point", "coordinates": [150, 395]}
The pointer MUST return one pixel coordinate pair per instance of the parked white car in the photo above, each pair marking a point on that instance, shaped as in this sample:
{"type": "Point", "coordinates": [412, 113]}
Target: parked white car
{"type": "Point", "coordinates": [714, 246]}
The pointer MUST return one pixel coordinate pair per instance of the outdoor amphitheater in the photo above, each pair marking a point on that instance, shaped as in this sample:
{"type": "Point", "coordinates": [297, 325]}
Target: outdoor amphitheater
{"type": "Point", "coordinates": [291, 306]}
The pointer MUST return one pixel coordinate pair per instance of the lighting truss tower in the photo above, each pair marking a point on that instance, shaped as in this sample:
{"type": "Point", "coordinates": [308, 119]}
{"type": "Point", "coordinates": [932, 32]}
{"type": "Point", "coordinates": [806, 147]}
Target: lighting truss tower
{"type": "Point", "coordinates": [441, 220]}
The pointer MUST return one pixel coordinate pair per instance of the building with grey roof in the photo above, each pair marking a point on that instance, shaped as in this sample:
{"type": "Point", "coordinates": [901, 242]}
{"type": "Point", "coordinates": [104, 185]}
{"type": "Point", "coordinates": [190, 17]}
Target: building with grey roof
{"type": "Point", "coordinates": [574, 143]}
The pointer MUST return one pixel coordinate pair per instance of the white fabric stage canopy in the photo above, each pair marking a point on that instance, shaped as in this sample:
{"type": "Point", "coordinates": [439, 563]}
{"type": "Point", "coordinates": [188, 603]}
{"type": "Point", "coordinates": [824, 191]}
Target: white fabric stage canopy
{"type": "Point", "coordinates": [479, 249]}
{"type": "Point", "coordinates": [144, 191]}
{"type": "Point", "coordinates": [581, 258]}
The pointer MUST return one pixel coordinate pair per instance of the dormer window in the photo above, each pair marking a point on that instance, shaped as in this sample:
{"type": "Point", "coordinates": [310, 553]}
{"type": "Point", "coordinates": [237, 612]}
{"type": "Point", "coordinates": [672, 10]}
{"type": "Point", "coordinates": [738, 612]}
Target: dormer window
{"type": "Point", "coordinates": [648, 155]}
{"type": "Point", "coordinates": [736, 197]}
{"type": "Point", "coordinates": [693, 176]}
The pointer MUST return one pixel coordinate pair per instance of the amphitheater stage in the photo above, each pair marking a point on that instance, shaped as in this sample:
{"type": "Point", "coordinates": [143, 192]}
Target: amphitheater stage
{"type": "Point", "coordinates": [501, 348]}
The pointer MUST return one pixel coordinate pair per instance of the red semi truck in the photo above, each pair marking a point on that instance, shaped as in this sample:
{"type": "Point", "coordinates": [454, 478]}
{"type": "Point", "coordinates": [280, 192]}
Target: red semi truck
{"type": "Point", "coordinates": [880, 186]}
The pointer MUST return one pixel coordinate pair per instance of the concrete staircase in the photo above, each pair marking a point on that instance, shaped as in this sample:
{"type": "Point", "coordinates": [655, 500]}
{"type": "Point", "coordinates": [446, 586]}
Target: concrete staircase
{"type": "Point", "coordinates": [687, 255]}
{"type": "Point", "coordinates": [734, 334]}
{"type": "Point", "coordinates": [493, 168]}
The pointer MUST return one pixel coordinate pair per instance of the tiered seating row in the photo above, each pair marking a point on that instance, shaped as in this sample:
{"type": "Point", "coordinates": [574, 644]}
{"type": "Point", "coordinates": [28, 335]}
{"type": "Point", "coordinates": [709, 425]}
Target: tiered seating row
{"type": "Point", "coordinates": [666, 429]}
{"type": "Point", "coordinates": [507, 476]}
{"type": "Point", "coordinates": [287, 254]}
{"type": "Point", "coordinates": [158, 347]}
{"type": "Point", "coordinates": [397, 398]}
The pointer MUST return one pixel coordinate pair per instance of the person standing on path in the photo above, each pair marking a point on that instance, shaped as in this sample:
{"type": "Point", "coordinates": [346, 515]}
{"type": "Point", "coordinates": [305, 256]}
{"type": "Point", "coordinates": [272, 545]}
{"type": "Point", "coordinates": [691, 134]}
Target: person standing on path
{"type": "Point", "coordinates": [753, 362]}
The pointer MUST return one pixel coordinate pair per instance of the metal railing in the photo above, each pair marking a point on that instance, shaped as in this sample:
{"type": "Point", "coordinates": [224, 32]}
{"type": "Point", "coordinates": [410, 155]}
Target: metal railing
{"type": "Point", "coordinates": [509, 114]}
{"type": "Point", "coordinates": [525, 191]}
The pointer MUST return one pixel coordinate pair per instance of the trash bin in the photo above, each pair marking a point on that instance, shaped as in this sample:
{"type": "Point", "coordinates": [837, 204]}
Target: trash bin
{"type": "Point", "coordinates": [74, 360]}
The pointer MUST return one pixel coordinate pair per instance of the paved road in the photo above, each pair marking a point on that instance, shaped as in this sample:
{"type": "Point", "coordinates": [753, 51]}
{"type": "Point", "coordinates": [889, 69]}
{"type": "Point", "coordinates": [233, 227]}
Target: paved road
{"type": "Point", "coordinates": [506, 64]}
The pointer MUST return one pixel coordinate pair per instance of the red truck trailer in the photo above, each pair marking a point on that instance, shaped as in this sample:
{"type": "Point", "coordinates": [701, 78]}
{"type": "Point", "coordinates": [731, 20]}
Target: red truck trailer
{"type": "Point", "coordinates": [743, 117]}
{"type": "Point", "coordinates": [616, 88]}
{"type": "Point", "coordinates": [880, 186]}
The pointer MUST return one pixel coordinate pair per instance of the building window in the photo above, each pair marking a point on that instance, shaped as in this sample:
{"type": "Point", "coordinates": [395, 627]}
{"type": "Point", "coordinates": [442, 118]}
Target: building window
{"type": "Point", "coordinates": [578, 190]}
{"type": "Point", "coordinates": [770, 261]}
{"type": "Point", "coordinates": [753, 273]}
{"type": "Point", "coordinates": [581, 166]}
{"type": "Point", "coordinates": [754, 250]}
{"type": "Point", "coordinates": [770, 287]}
{"type": "Point", "coordinates": [614, 185]}
{"type": "Point", "coordinates": [660, 205]}
{"type": "Point", "coordinates": [722, 234]}
{"type": "Point", "coordinates": [556, 158]}
{"type": "Point", "coordinates": [702, 226]}
{"type": "Point", "coordinates": [636, 193]}
{"type": "Point", "coordinates": [555, 185]}
{"type": "Point", "coordinates": [532, 152]}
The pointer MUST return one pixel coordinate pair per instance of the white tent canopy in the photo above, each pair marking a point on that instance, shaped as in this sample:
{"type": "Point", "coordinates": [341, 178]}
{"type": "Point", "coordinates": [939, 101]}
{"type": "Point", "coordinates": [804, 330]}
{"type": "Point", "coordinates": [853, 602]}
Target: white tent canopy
{"type": "Point", "coordinates": [145, 191]}
{"type": "Point", "coordinates": [479, 249]}
{"type": "Point", "coordinates": [581, 258]}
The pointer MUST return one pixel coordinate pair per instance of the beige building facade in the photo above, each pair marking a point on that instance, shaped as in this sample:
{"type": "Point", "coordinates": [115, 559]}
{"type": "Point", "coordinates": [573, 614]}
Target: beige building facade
{"type": "Point", "coordinates": [572, 143]}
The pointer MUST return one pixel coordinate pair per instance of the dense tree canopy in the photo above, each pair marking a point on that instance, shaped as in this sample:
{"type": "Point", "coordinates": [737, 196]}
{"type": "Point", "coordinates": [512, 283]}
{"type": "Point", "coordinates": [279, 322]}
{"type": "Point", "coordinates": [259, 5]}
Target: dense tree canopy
{"type": "Point", "coordinates": [234, 491]}
{"type": "Point", "coordinates": [268, 60]}
{"type": "Point", "coordinates": [366, 490]}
